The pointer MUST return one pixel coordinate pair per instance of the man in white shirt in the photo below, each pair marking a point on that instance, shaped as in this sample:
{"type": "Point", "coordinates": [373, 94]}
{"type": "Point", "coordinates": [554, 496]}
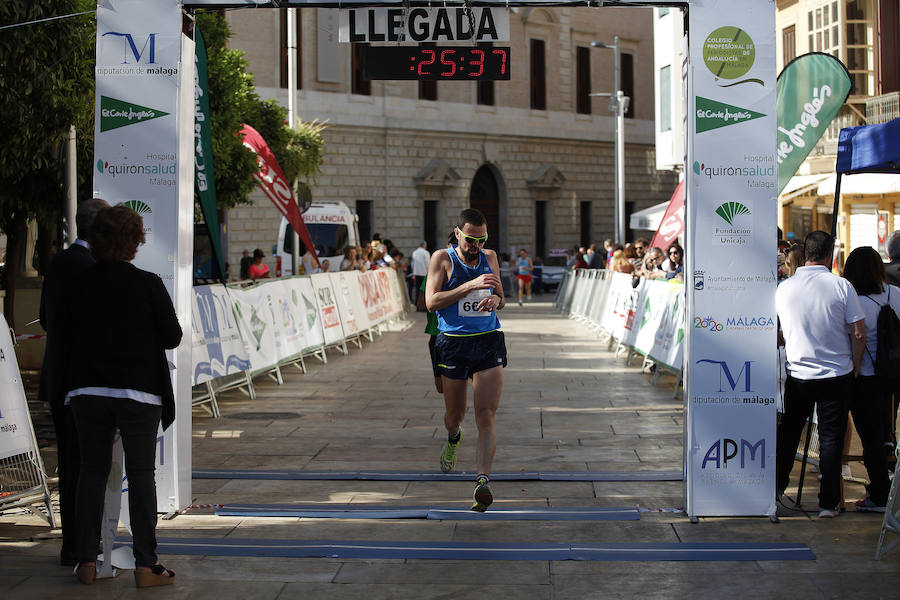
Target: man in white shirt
{"type": "Point", "coordinates": [420, 260]}
{"type": "Point", "coordinates": [824, 335]}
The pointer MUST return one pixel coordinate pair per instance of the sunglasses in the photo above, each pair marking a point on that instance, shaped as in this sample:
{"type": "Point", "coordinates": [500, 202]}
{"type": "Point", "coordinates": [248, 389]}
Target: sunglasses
{"type": "Point", "coordinates": [671, 252]}
{"type": "Point", "coordinates": [473, 240]}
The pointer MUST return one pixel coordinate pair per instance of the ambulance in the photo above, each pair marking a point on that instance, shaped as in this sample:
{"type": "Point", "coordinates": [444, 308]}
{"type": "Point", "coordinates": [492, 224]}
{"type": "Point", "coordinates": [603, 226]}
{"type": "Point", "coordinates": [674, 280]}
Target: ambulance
{"type": "Point", "coordinates": [332, 227]}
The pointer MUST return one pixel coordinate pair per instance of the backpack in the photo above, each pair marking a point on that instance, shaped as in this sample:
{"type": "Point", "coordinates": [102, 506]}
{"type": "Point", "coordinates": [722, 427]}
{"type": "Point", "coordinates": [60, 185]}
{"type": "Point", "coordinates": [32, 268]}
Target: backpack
{"type": "Point", "coordinates": [887, 351]}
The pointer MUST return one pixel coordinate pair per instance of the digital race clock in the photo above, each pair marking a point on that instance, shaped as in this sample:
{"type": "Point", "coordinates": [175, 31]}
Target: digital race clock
{"type": "Point", "coordinates": [436, 62]}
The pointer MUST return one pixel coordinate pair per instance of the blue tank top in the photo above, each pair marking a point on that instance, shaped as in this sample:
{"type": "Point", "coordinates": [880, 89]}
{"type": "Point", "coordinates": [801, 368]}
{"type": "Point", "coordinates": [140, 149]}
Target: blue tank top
{"type": "Point", "coordinates": [524, 269]}
{"type": "Point", "coordinates": [462, 317]}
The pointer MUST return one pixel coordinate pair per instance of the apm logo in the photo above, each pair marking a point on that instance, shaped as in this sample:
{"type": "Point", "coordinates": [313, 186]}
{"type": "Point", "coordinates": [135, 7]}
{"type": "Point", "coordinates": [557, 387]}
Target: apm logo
{"type": "Point", "coordinates": [724, 450]}
{"type": "Point", "coordinates": [149, 47]}
{"type": "Point", "coordinates": [725, 371]}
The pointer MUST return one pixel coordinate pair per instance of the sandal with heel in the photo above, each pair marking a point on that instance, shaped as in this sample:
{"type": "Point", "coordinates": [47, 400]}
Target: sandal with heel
{"type": "Point", "coordinates": [86, 572]}
{"type": "Point", "coordinates": [157, 575]}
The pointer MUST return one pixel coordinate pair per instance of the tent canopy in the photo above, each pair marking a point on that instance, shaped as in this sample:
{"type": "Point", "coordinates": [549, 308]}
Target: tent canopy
{"type": "Point", "coordinates": [649, 218]}
{"type": "Point", "coordinates": [866, 149]}
{"type": "Point", "coordinates": [869, 149]}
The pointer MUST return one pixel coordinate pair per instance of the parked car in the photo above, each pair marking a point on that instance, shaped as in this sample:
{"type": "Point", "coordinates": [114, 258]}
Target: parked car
{"type": "Point", "coordinates": [547, 278]}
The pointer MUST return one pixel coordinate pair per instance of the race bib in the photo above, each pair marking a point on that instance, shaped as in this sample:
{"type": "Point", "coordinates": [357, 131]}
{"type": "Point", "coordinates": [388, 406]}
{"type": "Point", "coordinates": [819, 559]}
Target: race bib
{"type": "Point", "coordinates": [468, 306]}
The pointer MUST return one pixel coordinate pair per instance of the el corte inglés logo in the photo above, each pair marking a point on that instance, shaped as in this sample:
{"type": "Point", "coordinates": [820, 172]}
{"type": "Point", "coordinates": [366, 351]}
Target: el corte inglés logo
{"type": "Point", "coordinates": [119, 113]}
{"type": "Point", "coordinates": [712, 114]}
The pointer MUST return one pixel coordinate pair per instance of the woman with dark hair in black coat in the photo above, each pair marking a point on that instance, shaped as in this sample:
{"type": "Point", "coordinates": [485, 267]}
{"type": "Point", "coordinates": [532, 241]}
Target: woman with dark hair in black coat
{"type": "Point", "coordinates": [116, 325]}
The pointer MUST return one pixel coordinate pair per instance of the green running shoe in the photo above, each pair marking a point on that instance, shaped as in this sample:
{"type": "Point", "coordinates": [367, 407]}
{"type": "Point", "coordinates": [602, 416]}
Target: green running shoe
{"type": "Point", "coordinates": [482, 496]}
{"type": "Point", "coordinates": [448, 454]}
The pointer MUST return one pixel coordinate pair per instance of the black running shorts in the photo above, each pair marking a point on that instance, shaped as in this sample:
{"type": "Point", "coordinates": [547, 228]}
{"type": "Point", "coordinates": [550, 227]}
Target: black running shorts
{"type": "Point", "coordinates": [460, 357]}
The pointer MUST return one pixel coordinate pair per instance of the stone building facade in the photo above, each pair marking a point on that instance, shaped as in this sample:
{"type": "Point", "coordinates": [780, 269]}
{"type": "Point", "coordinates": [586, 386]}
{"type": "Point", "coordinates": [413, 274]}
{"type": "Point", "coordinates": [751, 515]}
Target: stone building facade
{"type": "Point", "coordinates": [408, 165]}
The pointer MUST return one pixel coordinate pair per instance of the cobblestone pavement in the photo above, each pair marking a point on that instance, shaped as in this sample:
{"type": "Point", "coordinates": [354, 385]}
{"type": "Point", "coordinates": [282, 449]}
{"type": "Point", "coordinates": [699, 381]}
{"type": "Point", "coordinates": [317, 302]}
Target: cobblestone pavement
{"type": "Point", "coordinates": [568, 405]}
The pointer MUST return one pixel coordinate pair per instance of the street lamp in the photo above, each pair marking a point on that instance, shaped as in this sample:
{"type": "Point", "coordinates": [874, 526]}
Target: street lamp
{"type": "Point", "coordinates": [619, 104]}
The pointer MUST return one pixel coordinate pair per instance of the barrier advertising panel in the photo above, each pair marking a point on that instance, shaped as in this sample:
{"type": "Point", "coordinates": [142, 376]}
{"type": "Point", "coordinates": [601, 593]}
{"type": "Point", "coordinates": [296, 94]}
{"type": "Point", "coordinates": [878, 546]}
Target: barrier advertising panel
{"type": "Point", "coordinates": [349, 302]}
{"type": "Point", "coordinates": [731, 228]}
{"type": "Point", "coordinates": [290, 333]}
{"type": "Point", "coordinates": [303, 294]}
{"type": "Point", "coordinates": [217, 346]}
{"type": "Point", "coordinates": [375, 303]}
{"type": "Point", "coordinates": [254, 317]}
{"type": "Point", "coordinates": [328, 310]}
{"type": "Point", "coordinates": [15, 426]}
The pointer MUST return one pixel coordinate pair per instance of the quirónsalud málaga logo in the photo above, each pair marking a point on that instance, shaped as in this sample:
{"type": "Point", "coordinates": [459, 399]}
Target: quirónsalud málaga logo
{"type": "Point", "coordinates": [712, 114]}
{"type": "Point", "coordinates": [118, 113]}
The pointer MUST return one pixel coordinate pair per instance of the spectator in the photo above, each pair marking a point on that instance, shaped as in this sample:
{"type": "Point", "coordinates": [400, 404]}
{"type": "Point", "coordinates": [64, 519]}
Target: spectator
{"type": "Point", "coordinates": [893, 251]}
{"type": "Point", "coordinates": [420, 260]}
{"type": "Point", "coordinates": [632, 257]}
{"type": "Point", "coordinates": [824, 338]}
{"type": "Point", "coordinates": [580, 260]}
{"type": "Point", "coordinates": [387, 249]}
{"type": "Point", "coordinates": [674, 265]}
{"type": "Point", "coordinates": [640, 247]}
{"type": "Point", "coordinates": [608, 247]}
{"type": "Point", "coordinates": [117, 323]}
{"type": "Point", "coordinates": [870, 401]}
{"type": "Point", "coordinates": [620, 264]}
{"type": "Point", "coordinates": [246, 261]}
{"type": "Point", "coordinates": [366, 259]}
{"type": "Point", "coordinates": [892, 273]}
{"type": "Point", "coordinates": [65, 267]}
{"type": "Point", "coordinates": [595, 260]}
{"type": "Point", "coordinates": [571, 257]}
{"type": "Point", "coordinates": [652, 266]}
{"type": "Point", "coordinates": [258, 270]}
{"type": "Point", "coordinates": [350, 261]}
{"type": "Point", "coordinates": [793, 260]}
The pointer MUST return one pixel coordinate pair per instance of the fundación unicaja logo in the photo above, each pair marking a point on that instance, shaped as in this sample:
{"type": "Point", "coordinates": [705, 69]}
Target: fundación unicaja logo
{"type": "Point", "coordinates": [141, 208]}
{"type": "Point", "coordinates": [120, 113]}
{"type": "Point", "coordinates": [730, 210]}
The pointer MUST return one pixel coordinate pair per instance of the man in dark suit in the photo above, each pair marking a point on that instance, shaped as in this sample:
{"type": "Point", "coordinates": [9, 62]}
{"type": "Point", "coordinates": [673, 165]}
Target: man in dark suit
{"type": "Point", "coordinates": [893, 267]}
{"type": "Point", "coordinates": [65, 267]}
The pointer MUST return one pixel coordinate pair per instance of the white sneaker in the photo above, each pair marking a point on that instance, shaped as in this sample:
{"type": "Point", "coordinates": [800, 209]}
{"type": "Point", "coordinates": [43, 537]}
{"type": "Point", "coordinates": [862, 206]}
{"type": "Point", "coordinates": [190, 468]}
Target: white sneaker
{"type": "Point", "coordinates": [827, 513]}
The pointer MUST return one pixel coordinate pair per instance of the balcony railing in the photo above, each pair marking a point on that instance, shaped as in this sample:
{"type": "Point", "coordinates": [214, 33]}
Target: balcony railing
{"type": "Point", "coordinates": [884, 108]}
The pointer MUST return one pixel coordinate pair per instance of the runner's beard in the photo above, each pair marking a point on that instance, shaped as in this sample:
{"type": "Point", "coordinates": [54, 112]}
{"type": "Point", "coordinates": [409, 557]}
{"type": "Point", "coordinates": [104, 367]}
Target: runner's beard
{"type": "Point", "coordinates": [470, 255]}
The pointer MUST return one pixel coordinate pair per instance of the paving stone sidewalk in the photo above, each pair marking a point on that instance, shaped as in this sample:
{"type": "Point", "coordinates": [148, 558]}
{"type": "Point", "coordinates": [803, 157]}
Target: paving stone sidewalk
{"type": "Point", "coordinates": [568, 405]}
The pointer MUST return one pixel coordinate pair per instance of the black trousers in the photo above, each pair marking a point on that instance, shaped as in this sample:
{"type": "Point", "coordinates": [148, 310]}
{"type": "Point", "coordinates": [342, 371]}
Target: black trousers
{"type": "Point", "coordinates": [97, 418]}
{"type": "Point", "coordinates": [869, 408]}
{"type": "Point", "coordinates": [831, 397]}
{"type": "Point", "coordinates": [68, 455]}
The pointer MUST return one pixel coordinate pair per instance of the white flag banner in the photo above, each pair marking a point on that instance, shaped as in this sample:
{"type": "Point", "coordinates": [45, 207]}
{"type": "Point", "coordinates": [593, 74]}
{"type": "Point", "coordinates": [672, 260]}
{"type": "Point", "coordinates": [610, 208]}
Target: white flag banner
{"type": "Point", "coordinates": [15, 425]}
{"type": "Point", "coordinates": [254, 317]}
{"type": "Point", "coordinates": [143, 158]}
{"type": "Point", "coordinates": [217, 346]}
{"type": "Point", "coordinates": [328, 310]}
{"type": "Point", "coordinates": [731, 228]}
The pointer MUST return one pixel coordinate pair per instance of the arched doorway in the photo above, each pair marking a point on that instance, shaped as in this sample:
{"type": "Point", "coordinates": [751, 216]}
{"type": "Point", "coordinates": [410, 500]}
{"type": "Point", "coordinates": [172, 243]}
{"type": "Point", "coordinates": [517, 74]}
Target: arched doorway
{"type": "Point", "coordinates": [485, 196]}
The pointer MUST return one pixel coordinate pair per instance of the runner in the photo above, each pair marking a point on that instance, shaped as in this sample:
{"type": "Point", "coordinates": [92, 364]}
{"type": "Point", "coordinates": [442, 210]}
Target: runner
{"type": "Point", "coordinates": [524, 269]}
{"type": "Point", "coordinates": [463, 287]}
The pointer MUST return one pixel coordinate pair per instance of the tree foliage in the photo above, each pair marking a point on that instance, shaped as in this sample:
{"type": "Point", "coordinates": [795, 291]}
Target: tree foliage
{"type": "Point", "coordinates": [46, 85]}
{"type": "Point", "coordinates": [233, 101]}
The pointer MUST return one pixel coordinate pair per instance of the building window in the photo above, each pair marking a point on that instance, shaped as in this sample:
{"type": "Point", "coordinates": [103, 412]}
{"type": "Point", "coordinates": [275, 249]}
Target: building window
{"type": "Point", "coordinates": [485, 89]}
{"type": "Point", "coordinates": [583, 80]}
{"type": "Point", "coordinates": [788, 45]}
{"type": "Point", "coordinates": [860, 46]}
{"type": "Point", "coordinates": [628, 82]}
{"type": "Point", "coordinates": [360, 86]}
{"type": "Point", "coordinates": [366, 214]}
{"type": "Point", "coordinates": [665, 98]}
{"type": "Point", "coordinates": [586, 223]}
{"type": "Point", "coordinates": [284, 50]}
{"type": "Point", "coordinates": [538, 76]}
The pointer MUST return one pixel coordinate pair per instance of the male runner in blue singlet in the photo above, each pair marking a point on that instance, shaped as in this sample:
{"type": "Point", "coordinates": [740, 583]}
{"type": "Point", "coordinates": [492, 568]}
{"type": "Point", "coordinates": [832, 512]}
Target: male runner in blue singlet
{"type": "Point", "coordinates": [464, 288]}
